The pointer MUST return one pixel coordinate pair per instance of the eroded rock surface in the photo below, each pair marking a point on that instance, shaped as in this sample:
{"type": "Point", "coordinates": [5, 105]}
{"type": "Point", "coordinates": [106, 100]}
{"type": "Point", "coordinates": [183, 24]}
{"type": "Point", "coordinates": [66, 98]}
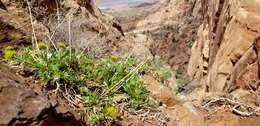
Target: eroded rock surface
{"type": "Point", "coordinates": [20, 105]}
{"type": "Point", "coordinates": [226, 54]}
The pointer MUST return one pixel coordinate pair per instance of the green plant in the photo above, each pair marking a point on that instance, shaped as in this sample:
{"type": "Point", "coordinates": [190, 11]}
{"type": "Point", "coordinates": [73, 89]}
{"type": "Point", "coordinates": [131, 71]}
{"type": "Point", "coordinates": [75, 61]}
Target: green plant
{"type": "Point", "coordinates": [97, 81]}
{"type": "Point", "coordinates": [179, 84]}
{"type": "Point", "coordinates": [42, 45]}
{"type": "Point", "coordinates": [111, 111]}
{"type": "Point", "coordinates": [180, 72]}
{"type": "Point", "coordinates": [54, 67]}
{"type": "Point", "coordinates": [61, 45]}
{"type": "Point", "coordinates": [9, 52]}
{"type": "Point", "coordinates": [181, 79]}
{"type": "Point", "coordinates": [136, 90]}
{"type": "Point", "coordinates": [95, 118]}
{"type": "Point", "coordinates": [160, 73]}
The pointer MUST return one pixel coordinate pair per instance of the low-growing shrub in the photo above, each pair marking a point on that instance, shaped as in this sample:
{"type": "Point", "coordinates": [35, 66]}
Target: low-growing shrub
{"type": "Point", "coordinates": [160, 73]}
{"type": "Point", "coordinates": [97, 81]}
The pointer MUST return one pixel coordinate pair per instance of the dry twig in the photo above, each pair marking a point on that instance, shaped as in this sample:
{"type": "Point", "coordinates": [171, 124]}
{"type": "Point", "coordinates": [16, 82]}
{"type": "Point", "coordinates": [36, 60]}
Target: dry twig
{"type": "Point", "coordinates": [237, 107]}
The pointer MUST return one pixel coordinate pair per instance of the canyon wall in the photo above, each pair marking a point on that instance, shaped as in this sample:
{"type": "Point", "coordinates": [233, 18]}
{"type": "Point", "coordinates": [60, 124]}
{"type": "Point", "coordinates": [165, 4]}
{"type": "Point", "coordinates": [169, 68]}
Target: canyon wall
{"type": "Point", "coordinates": [226, 54]}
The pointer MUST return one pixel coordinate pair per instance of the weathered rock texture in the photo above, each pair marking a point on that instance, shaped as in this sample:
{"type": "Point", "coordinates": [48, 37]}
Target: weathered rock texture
{"type": "Point", "coordinates": [20, 105]}
{"type": "Point", "coordinates": [226, 54]}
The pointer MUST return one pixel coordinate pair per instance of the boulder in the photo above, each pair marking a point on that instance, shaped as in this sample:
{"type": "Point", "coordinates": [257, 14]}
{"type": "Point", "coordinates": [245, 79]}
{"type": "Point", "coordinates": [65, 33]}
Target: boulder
{"type": "Point", "coordinates": [21, 105]}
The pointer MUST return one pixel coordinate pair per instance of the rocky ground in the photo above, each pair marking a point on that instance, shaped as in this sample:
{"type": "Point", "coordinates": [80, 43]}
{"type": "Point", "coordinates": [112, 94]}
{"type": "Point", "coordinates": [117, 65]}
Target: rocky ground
{"type": "Point", "coordinates": [210, 46]}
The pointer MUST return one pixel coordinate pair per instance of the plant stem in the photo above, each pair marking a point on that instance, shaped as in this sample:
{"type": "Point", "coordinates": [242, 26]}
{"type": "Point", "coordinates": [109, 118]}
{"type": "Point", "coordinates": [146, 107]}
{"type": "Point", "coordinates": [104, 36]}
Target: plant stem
{"type": "Point", "coordinates": [70, 35]}
{"type": "Point", "coordinates": [34, 35]}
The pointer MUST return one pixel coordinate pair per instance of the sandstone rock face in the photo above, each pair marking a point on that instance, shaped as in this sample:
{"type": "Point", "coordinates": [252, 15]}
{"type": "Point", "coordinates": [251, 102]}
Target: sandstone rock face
{"type": "Point", "coordinates": [226, 53]}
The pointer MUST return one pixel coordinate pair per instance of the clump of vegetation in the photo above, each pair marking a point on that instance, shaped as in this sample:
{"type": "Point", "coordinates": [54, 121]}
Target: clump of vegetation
{"type": "Point", "coordinates": [96, 81]}
{"type": "Point", "coordinates": [180, 83]}
{"type": "Point", "coordinates": [160, 73]}
{"type": "Point", "coordinates": [180, 72]}
{"type": "Point", "coordinates": [9, 52]}
{"type": "Point", "coordinates": [181, 77]}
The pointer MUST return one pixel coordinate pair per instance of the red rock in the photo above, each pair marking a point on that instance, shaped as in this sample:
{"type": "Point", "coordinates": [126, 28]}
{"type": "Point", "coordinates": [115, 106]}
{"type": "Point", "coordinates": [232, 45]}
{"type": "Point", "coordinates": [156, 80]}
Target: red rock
{"type": "Point", "coordinates": [20, 105]}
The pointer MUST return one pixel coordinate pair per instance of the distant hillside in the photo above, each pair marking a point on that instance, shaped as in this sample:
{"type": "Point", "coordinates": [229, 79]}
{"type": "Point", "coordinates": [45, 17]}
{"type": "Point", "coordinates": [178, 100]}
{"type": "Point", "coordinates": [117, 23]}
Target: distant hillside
{"type": "Point", "coordinates": [104, 4]}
